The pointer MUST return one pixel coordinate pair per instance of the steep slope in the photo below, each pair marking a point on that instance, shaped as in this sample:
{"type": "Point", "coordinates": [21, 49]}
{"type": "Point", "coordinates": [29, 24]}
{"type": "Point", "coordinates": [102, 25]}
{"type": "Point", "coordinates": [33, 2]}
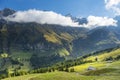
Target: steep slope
{"type": "Point", "coordinates": [38, 45]}
{"type": "Point", "coordinates": [97, 39]}
{"type": "Point", "coordinates": [44, 43]}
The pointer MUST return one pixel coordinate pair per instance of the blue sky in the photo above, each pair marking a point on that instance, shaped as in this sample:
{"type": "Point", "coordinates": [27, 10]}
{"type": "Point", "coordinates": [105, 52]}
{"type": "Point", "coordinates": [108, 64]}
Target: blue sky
{"type": "Point", "coordinates": [78, 8]}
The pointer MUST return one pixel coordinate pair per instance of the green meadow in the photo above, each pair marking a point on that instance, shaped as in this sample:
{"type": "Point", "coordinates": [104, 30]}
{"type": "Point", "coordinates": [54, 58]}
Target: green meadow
{"type": "Point", "coordinates": [104, 70]}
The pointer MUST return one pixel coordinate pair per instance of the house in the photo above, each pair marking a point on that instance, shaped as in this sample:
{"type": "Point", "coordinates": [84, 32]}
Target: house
{"type": "Point", "coordinates": [91, 68]}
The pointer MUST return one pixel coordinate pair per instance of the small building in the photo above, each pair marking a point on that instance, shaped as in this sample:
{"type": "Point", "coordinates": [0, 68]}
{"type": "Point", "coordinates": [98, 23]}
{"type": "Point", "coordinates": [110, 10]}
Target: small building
{"type": "Point", "coordinates": [91, 68]}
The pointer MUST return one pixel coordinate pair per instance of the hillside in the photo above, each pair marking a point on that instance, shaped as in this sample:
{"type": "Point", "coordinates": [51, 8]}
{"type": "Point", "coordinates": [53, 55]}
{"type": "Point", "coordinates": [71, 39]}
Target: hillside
{"type": "Point", "coordinates": [43, 41]}
{"type": "Point", "coordinates": [32, 45]}
{"type": "Point", "coordinates": [61, 75]}
{"type": "Point", "coordinates": [105, 68]}
{"type": "Point", "coordinates": [107, 63]}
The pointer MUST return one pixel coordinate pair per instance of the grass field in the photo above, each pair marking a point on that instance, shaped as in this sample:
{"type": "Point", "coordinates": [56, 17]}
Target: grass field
{"type": "Point", "coordinates": [104, 55]}
{"type": "Point", "coordinates": [62, 76]}
{"type": "Point", "coordinates": [103, 70]}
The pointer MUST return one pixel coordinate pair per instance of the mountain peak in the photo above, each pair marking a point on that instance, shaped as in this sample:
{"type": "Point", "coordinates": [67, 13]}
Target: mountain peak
{"type": "Point", "coordinates": [6, 12]}
{"type": "Point", "coordinates": [76, 19]}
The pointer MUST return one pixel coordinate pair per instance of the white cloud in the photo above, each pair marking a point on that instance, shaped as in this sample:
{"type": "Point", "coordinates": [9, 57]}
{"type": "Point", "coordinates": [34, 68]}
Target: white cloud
{"type": "Point", "coordinates": [42, 17]}
{"type": "Point", "coordinates": [113, 5]}
{"type": "Point", "coordinates": [95, 21]}
{"type": "Point", "coordinates": [50, 17]}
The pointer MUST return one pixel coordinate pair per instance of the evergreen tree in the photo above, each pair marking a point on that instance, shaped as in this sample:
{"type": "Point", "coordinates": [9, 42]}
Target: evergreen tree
{"type": "Point", "coordinates": [66, 70]}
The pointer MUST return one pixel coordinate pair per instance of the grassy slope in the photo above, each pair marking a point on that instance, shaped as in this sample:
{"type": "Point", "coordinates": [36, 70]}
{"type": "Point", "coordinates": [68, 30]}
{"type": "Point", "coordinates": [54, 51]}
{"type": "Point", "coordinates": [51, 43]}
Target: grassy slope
{"type": "Point", "coordinates": [104, 55]}
{"type": "Point", "coordinates": [20, 55]}
{"type": "Point", "coordinates": [107, 70]}
{"type": "Point", "coordinates": [62, 76]}
{"type": "Point", "coordinates": [104, 70]}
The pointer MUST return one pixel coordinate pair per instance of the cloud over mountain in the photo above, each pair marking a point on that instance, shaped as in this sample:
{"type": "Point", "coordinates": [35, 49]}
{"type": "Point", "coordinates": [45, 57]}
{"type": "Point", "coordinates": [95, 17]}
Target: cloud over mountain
{"type": "Point", "coordinates": [50, 17]}
{"type": "Point", "coordinates": [95, 21]}
{"type": "Point", "coordinates": [42, 17]}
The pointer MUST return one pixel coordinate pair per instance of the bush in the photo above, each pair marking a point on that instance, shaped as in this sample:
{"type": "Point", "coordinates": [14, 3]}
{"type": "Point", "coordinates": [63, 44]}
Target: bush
{"type": "Point", "coordinates": [117, 58]}
{"type": "Point", "coordinates": [109, 58]}
{"type": "Point", "coordinates": [72, 70]}
{"type": "Point", "coordinates": [66, 70]}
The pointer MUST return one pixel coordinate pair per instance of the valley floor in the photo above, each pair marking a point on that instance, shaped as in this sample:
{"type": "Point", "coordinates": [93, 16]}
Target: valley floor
{"type": "Point", "coordinates": [104, 70]}
{"type": "Point", "coordinates": [62, 76]}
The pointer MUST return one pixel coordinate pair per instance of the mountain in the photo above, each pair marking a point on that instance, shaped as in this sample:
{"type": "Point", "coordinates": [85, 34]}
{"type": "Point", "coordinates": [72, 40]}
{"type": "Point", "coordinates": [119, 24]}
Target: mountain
{"type": "Point", "coordinates": [6, 12]}
{"type": "Point", "coordinates": [37, 43]}
{"type": "Point", "coordinates": [33, 45]}
{"type": "Point", "coordinates": [97, 39]}
{"type": "Point", "coordinates": [79, 20]}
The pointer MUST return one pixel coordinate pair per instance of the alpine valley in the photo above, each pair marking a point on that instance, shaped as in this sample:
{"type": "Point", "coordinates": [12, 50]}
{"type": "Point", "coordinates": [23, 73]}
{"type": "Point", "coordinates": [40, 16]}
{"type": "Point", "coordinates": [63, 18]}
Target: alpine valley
{"type": "Point", "coordinates": [28, 46]}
